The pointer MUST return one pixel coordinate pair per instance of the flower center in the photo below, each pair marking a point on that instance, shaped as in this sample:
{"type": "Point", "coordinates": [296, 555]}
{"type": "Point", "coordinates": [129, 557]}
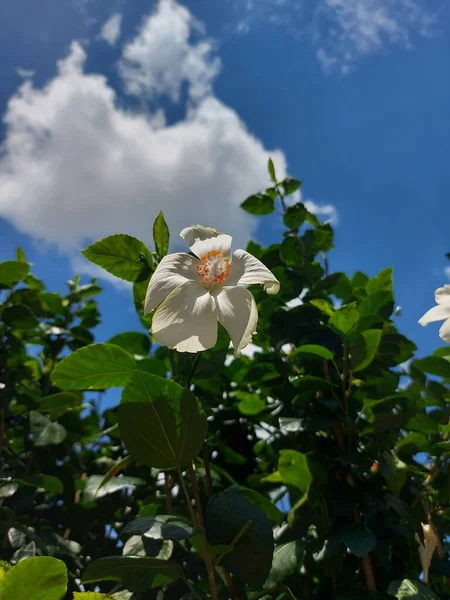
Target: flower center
{"type": "Point", "coordinates": [214, 268]}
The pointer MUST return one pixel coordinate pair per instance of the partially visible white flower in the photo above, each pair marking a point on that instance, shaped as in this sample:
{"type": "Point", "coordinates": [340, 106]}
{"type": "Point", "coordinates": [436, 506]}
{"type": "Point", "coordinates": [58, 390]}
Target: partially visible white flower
{"type": "Point", "coordinates": [193, 293]}
{"type": "Point", "coordinates": [440, 312]}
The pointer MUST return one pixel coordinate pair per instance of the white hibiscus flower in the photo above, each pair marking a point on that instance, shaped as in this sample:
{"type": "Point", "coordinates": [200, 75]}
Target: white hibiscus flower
{"type": "Point", "coordinates": [440, 312]}
{"type": "Point", "coordinates": [192, 293]}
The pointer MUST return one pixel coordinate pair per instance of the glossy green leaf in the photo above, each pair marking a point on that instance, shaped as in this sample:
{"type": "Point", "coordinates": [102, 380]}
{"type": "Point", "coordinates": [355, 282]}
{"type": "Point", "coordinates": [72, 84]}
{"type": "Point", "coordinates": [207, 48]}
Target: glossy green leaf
{"type": "Point", "coordinates": [47, 482]}
{"type": "Point", "coordinates": [94, 367]}
{"type": "Point", "coordinates": [249, 403]}
{"type": "Point", "coordinates": [90, 596]}
{"type": "Point", "coordinates": [121, 255]}
{"type": "Point", "coordinates": [271, 169]}
{"type": "Point", "coordinates": [19, 317]}
{"type": "Point", "coordinates": [359, 539]}
{"type": "Point", "coordinates": [165, 527]}
{"type": "Point", "coordinates": [412, 590]}
{"type": "Point", "coordinates": [134, 342]}
{"type": "Point", "coordinates": [161, 423]}
{"type": "Point", "coordinates": [423, 424]}
{"type": "Point", "coordinates": [36, 578]}
{"type": "Point", "coordinates": [312, 350]}
{"type": "Point", "coordinates": [58, 404]}
{"type": "Point", "coordinates": [286, 560]}
{"type": "Point", "coordinates": [292, 252]}
{"type": "Point", "coordinates": [12, 271]}
{"type": "Point", "coordinates": [323, 306]}
{"type": "Point", "coordinates": [381, 283]}
{"type": "Point", "coordinates": [295, 216]}
{"type": "Point", "coordinates": [259, 204]}
{"type": "Point", "coordinates": [290, 185]}
{"type": "Point", "coordinates": [434, 365]}
{"type": "Point", "coordinates": [161, 235]}
{"type": "Point", "coordinates": [226, 514]}
{"type": "Point", "coordinates": [344, 319]}
{"type": "Point", "coordinates": [294, 469]}
{"type": "Point", "coordinates": [135, 573]}
{"type": "Point", "coordinates": [95, 488]}
{"type": "Point", "coordinates": [261, 502]}
{"type": "Point", "coordinates": [364, 349]}
{"type": "Point", "coordinates": [117, 468]}
{"type": "Point", "coordinates": [44, 431]}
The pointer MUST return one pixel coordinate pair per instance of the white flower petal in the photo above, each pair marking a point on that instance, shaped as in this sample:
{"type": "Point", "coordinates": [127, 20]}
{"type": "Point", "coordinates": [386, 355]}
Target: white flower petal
{"type": "Point", "coordinates": [173, 271]}
{"type": "Point", "coordinates": [444, 331]}
{"type": "Point", "coordinates": [197, 232]}
{"type": "Point", "coordinates": [187, 319]}
{"type": "Point", "coordinates": [246, 269]}
{"type": "Point", "coordinates": [442, 295]}
{"type": "Point", "coordinates": [220, 243]}
{"type": "Point", "coordinates": [437, 313]}
{"type": "Point", "coordinates": [237, 312]}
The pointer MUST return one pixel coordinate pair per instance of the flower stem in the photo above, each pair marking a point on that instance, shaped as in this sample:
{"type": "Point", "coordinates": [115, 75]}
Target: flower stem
{"type": "Point", "coordinates": [208, 555]}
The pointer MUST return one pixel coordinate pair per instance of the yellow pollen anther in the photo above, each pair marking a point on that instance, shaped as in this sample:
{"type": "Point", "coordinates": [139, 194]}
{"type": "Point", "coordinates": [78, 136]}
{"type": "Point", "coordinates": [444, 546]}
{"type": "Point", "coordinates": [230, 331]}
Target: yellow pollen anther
{"type": "Point", "coordinates": [214, 268]}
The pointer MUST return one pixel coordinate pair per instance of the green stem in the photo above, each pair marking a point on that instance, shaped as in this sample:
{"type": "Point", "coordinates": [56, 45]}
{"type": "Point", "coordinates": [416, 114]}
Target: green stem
{"type": "Point", "coordinates": [192, 373]}
{"type": "Point", "coordinates": [208, 555]}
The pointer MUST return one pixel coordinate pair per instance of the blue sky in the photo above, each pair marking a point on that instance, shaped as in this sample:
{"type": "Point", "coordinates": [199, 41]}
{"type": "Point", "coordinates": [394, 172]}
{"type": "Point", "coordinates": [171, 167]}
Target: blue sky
{"type": "Point", "coordinates": [177, 106]}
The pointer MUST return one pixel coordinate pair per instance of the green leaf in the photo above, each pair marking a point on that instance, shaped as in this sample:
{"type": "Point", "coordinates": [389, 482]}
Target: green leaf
{"type": "Point", "coordinates": [286, 560]}
{"type": "Point", "coordinates": [434, 365]}
{"type": "Point", "coordinates": [413, 590]}
{"type": "Point", "coordinates": [161, 423]}
{"type": "Point", "coordinates": [94, 367]}
{"type": "Point", "coordinates": [117, 468]}
{"type": "Point", "coordinates": [134, 342]}
{"type": "Point", "coordinates": [324, 306]}
{"type": "Point", "coordinates": [58, 404]}
{"type": "Point", "coordinates": [12, 271]}
{"type": "Point", "coordinates": [294, 469]}
{"type": "Point", "coordinates": [295, 216]}
{"type": "Point", "coordinates": [259, 204]}
{"type": "Point", "coordinates": [94, 489]}
{"type": "Point", "coordinates": [19, 317]}
{"type": "Point", "coordinates": [20, 254]}
{"type": "Point", "coordinates": [90, 596]}
{"type": "Point", "coordinates": [344, 319]}
{"type": "Point", "coordinates": [44, 431]}
{"type": "Point", "coordinates": [160, 527]}
{"type": "Point", "coordinates": [312, 350]}
{"type": "Point", "coordinates": [227, 513]}
{"type": "Point", "coordinates": [359, 539]}
{"type": "Point", "coordinates": [161, 235]}
{"type": "Point", "coordinates": [290, 185]}
{"type": "Point", "coordinates": [423, 424]}
{"type": "Point", "coordinates": [47, 482]}
{"type": "Point", "coordinates": [364, 349]}
{"type": "Point", "coordinates": [380, 283]}
{"type": "Point", "coordinates": [135, 573]}
{"type": "Point", "coordinates": [120, 255]}
{"type": "Point", "coordinates": [394, 471]}
{"type": "Point", "coordinates": [260, 501]}
{"type": "Point", "coordinates": [271, 169]}
{"type": "Point", "coordinates": [249, 403]}
{"type": "Point", "coordinates": [36, 578]}
{"type": "Point", "coordinates": [292, 252]}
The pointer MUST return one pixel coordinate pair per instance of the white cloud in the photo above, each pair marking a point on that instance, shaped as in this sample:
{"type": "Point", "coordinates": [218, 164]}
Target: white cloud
{"type": "Point", "coordinates": [328, 211]}
{"type": "Point", "coordinates": [357, 28]}
{"type": "Point", "coordinates": [345, 31]}
{"type": "Point", "coordinates": [76, 165]}
{"type": "Point", "coordinates": [25, 73]}
{"type": "Point", "coordinates": [110, 32]}
{"type": "Point", "coordinates": [163, 56]}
